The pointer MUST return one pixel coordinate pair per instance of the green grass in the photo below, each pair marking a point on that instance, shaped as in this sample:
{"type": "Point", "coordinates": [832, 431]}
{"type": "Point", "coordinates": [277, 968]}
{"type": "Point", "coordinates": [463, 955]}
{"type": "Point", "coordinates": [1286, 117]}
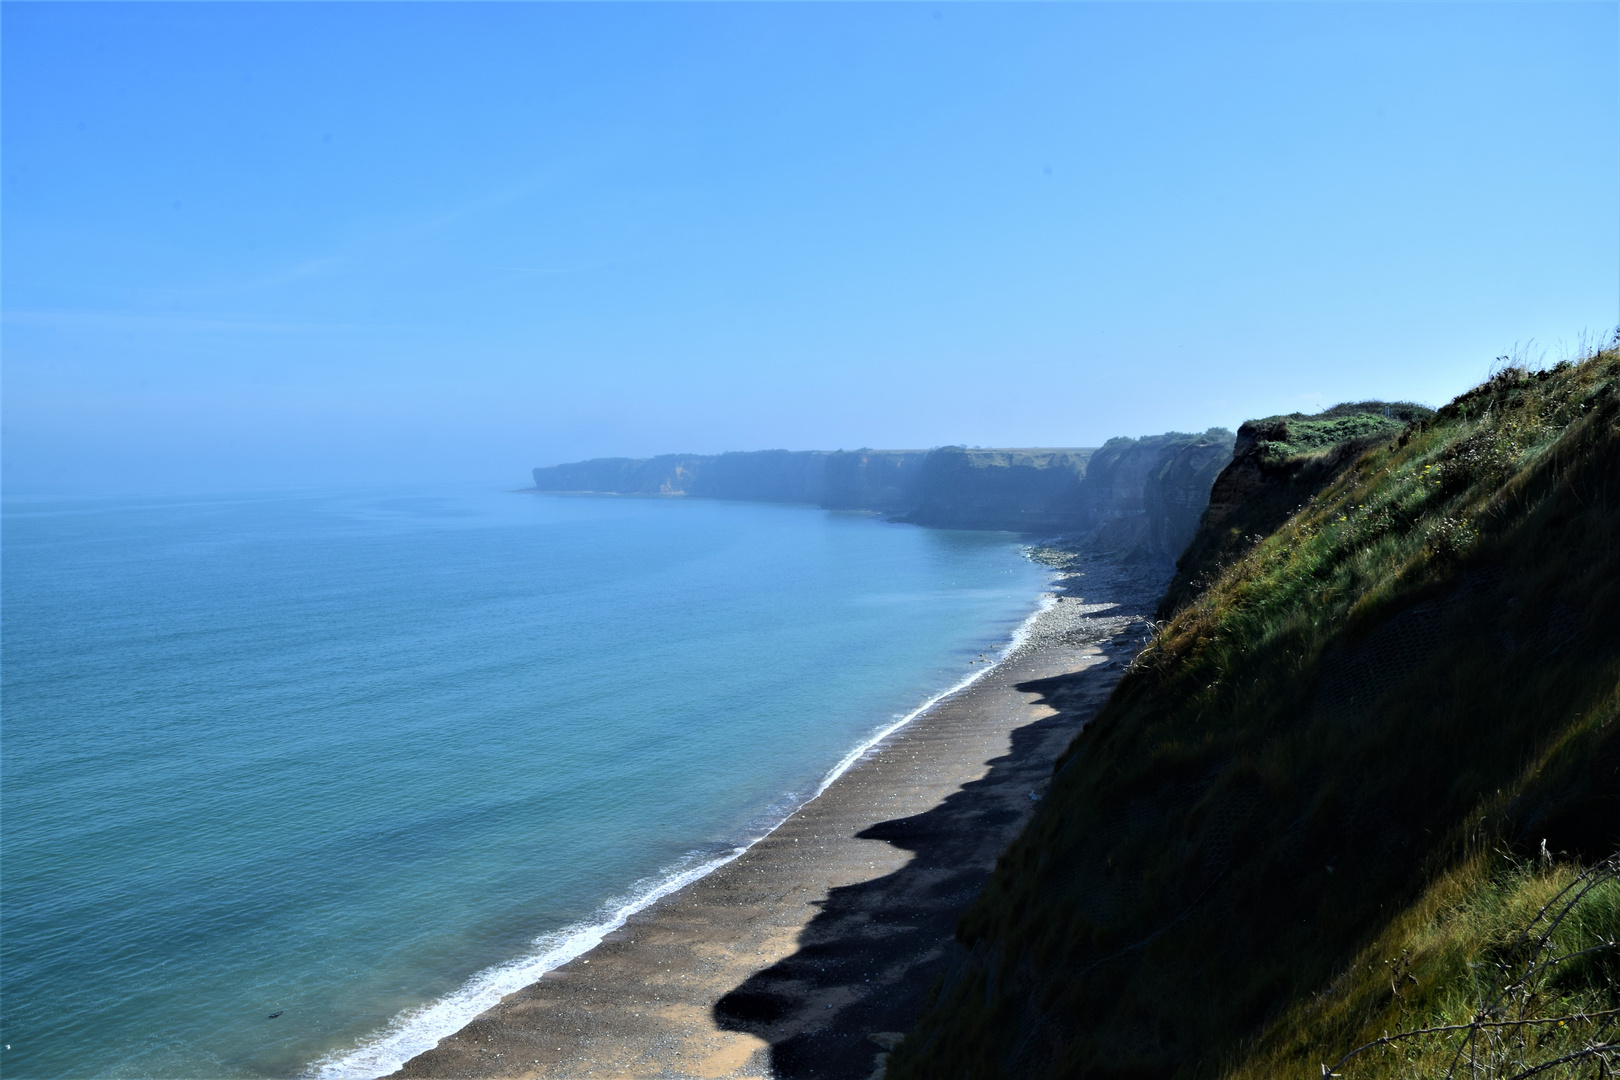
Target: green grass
{"type": "Point", "coordinates": [1500, 966]}
{"type": "Point", "coordinates": [1411, 681]}
{"type": "Point", "coordinates": [1280, 463]}
{"type": "Point", "coordinates": [1297, 434]}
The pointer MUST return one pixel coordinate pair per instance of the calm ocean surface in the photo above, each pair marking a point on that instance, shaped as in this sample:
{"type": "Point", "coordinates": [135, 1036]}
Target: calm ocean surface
{"type": "Point", "coordinates": [367, 761]}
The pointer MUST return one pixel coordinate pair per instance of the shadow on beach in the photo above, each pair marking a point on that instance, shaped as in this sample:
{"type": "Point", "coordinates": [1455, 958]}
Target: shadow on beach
{"type": "Point", "coordinates": [866, 961]}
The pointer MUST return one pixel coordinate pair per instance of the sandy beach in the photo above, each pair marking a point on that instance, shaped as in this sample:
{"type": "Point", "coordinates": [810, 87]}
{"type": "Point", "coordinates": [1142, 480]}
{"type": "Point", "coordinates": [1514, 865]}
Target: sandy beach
{"type": "Point", "coordinates": [784, 962]}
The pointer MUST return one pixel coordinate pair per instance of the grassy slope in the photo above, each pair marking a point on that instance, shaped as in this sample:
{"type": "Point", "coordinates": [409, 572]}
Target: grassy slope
{"type": "Point", "coordinates": [1445, 961]}
{"type": "Point", "coordinates": [1327, 755]}
{"type": "Point", "coordinates": [1279, 463]}
{"type": "Point", "coordinates": [1304, 433]}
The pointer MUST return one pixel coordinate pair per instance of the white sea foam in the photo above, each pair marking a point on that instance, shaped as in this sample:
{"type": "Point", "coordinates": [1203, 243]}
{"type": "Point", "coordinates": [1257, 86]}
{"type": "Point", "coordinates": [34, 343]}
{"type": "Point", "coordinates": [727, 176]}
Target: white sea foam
{"type": "Point", "coordinates": [1019, 636]}
{"type": "Point", "coordinates": [416, 1030]}
{"type": "Point", "coordinates": [419, 1029]}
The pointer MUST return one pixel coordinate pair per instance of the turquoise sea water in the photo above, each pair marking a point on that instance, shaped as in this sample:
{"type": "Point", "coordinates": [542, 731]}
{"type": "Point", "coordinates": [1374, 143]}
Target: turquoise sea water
{"type": "Point", "coordinates": [368, 760]}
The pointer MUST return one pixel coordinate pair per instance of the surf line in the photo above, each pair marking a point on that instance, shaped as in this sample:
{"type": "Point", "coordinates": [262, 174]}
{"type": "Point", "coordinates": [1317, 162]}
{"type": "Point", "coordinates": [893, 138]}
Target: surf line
{"type": "Point", "coordinates": [419, 1029]}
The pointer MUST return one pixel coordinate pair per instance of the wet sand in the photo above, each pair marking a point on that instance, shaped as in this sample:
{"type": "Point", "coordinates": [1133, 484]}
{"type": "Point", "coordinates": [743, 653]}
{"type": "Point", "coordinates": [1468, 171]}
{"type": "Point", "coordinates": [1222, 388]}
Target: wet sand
{"type": "Point", "coordinates": [785, 961]}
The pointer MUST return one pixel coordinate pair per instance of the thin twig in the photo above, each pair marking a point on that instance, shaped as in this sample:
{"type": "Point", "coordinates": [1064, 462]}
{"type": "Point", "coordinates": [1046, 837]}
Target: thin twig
{"type": "Point", "coordinates": [1529, 954]}
{"type": "Point", "coordinates": [1600, 1048]}
{"type": "Point", "coordinates": [1584, 883]}
{"type": "Point", "coordinates": [1473, 1025]}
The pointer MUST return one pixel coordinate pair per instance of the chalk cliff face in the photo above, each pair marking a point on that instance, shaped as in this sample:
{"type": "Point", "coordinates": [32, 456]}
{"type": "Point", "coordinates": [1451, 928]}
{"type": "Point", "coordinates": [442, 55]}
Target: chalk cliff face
{"type": "Point", "coordinates": [1021, 490]}
{"type": "Point", "coordinates": [760, 476]}
{"type": "Point", "coordinates": [886, 480]}
{"type": "Point", "coordinates": [1142, 497]}
{"type": "Point", "coordinates": [1138, 498]}
{"type": "Point", "coordinates": [667, 474]}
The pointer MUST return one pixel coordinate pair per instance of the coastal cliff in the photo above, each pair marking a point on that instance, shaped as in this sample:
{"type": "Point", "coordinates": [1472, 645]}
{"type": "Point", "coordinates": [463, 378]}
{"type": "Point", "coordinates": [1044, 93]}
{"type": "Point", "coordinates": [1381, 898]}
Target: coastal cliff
{"type": "Point", "coordinates": [888, 481]}
{"type": "Point", "coordinates": [795, 476]}
{"type": "Point", "coordinates": [1139, 499]}
{"type": "Point", "coordinates": [1020, 490]}
{"type": "Point", "coordinates": [1142, 497]}
{"type": "Point", "coordinates": [1277, 464]}
{"type": "Point", "coordinates": [1353, 810]}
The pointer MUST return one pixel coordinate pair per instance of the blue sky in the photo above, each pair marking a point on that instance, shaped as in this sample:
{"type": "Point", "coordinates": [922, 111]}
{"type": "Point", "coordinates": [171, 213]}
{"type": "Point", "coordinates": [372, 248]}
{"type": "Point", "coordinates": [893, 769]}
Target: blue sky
{"type": "Point", "coordinates": [298, 244]}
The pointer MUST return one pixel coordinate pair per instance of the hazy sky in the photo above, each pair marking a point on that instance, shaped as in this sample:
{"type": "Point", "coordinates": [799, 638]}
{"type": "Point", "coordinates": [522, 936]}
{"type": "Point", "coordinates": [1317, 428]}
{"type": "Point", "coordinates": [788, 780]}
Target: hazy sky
{"type": "Point", "coordinates": [309, 243]}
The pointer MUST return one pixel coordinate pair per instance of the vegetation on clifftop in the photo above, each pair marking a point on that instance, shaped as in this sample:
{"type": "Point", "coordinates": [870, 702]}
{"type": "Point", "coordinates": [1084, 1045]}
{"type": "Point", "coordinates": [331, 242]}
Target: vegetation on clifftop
{"type": "Point", "coordinates": [1314, 812]}
{"type": "Point", "coordinates": [1277, 464]}
{"type": "Point", "coordinates": [1281, 437]}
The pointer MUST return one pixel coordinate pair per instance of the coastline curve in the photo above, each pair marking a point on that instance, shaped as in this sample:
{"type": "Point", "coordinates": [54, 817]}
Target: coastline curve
{"type": "Point", "coordinates": [420, 1028]}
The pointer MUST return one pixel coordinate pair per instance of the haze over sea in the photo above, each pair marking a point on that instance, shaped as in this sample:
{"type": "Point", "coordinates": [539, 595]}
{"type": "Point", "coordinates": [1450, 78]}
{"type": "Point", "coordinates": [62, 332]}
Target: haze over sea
{"type": "Point", "coordinates": [335, 757]}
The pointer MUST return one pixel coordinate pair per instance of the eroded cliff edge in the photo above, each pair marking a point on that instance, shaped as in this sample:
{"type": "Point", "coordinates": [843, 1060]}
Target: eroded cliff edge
{"type": "Point", "coordinates": [1278, 463]}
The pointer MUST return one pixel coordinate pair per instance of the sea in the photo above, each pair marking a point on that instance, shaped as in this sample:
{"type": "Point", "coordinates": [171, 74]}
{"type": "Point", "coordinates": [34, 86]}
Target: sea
{"type": "Point", "coordinates": [296, 784]}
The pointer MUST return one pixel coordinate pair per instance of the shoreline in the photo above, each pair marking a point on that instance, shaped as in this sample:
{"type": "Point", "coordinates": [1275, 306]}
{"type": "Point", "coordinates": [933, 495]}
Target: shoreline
{"type": "Point", "coordinates": [715, 976]}
{"type": "Point", "coordinates": [403, 1038]}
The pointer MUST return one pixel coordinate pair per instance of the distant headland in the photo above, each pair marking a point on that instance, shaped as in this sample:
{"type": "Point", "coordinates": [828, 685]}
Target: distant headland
{"type": "Point", "coordinates": [1137, 498]}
